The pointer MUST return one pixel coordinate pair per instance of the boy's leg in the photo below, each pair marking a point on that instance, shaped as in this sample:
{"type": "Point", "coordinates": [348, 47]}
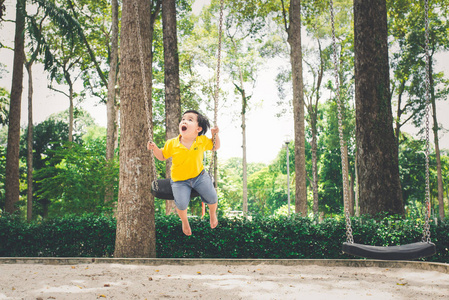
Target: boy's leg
{"type": "Point", "coordinates": [181, 192]}
{"type": "Point", "coordinates": [205, 187]}
{"type": "Point", "coordinates": [213, 215]}
{"type": "Point", "coordinates": [185, 221]}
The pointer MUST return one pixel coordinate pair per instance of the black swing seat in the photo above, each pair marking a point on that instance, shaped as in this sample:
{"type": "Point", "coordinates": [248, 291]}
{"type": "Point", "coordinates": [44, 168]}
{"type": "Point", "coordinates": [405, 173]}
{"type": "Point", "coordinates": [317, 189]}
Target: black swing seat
{"type": "Point", "coordinates": [402, 252]}
{"type": "Point", "coordinates": [164, 190]}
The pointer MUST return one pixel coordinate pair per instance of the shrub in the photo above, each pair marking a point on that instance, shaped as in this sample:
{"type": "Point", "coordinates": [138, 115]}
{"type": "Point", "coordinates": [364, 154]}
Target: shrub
{"type": "Point", "coordinates": [262, 237]}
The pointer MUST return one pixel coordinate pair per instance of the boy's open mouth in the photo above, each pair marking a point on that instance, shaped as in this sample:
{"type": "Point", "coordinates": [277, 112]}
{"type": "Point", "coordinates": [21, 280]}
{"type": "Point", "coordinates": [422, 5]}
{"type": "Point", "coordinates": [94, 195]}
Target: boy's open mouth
{"type": "Point", "coordinates": [184, 128]}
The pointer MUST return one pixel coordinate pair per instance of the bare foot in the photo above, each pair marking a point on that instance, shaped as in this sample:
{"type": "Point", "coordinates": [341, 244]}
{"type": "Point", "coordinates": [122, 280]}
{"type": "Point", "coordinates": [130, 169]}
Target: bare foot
{"type": "Point", "coordinates": [186, 228]}
{"type": "Point", "coordinates": [213, 221]}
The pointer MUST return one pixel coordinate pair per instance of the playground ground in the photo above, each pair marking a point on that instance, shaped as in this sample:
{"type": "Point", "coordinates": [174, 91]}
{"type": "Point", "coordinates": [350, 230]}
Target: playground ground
{"type": "Point", "coordinates": [220, 279]}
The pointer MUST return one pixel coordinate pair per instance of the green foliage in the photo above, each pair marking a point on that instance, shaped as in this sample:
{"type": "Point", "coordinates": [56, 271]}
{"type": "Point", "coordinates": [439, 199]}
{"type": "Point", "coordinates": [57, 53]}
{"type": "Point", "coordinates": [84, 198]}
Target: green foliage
{"type": "Point", "coordinates": [86, 153]}
{"type": "Point", "coordinates": [278, 238]}
{"type": "Point", "coordinates": [74, 180]}
{"type": "Point", "coordinates": [266, 187]}
{"type": "Point", "coordinates": [412, 169]}
{"type": "Point", "coordinates": [4, 106]}
{"type": "Point", "coordinates": [266, 191]}
{"type": "Point", "coordinates": [48, 135]}
{"type": "Point", "coordinates": [406, 26]}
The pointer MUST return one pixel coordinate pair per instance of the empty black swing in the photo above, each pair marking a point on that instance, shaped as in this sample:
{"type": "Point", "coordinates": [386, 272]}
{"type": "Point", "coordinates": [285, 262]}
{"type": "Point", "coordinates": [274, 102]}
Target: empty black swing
{"type": "Point", "coordinates": [402, 252]}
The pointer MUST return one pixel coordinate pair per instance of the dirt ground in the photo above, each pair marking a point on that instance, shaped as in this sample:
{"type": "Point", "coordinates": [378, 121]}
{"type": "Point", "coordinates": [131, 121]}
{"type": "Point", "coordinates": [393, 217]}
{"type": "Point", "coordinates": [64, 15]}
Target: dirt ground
{"type": "Point", "coordinates": [209, 281]}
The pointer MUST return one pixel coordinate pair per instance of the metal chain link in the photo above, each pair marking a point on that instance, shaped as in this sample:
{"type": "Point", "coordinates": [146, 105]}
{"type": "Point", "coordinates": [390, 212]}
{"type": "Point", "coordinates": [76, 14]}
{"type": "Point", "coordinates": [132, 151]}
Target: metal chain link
{"type": "Point", "coordinates": [349, 236]}
{"type": "Point", "coordinates": [426, 230]}
{"type": "Point", "coordinates": [217, 86]}
{"type": "Point", "coordinates": [145, 92]}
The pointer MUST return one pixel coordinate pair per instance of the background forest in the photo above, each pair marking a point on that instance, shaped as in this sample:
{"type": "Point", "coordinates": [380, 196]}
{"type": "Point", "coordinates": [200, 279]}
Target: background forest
{"type": "Point", "coordinates": [75, 163]}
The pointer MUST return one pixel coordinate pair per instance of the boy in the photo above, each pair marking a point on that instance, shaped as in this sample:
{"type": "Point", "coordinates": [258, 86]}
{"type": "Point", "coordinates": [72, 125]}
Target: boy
{"type": "Point", "coordinates": [187, 169]}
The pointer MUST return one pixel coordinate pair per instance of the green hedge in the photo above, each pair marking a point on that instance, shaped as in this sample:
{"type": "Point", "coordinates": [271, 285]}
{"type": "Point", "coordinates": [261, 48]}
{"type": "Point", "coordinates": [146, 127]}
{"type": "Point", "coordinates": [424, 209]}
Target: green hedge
{"type": "Point", "coordinates": [283, 237]}
{"type": "Point", "coordinates": [87, 236]}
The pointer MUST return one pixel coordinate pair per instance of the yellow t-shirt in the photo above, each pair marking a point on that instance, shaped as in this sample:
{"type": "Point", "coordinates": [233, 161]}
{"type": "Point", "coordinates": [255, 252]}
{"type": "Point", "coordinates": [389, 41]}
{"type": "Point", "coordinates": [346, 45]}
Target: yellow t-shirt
{"type": "Point", "coordinates": [186, 163]}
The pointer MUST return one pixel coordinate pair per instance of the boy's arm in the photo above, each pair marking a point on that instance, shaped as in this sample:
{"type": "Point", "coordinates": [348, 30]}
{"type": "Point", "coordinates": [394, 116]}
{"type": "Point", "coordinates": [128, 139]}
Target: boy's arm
{"type": "Point", "coordinates": [157, 152]}
{"type": "Point", "coordinates": [214, 132]}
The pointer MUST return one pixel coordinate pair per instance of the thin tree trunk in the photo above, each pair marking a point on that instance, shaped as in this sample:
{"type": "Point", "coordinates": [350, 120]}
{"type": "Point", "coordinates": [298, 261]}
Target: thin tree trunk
{"type": "Point", "coordinates": [399, 111]}
{"type": "Point", "coordinates": [314, 166]}
{"type": "Point", "coordinates": [437, 149]}
{"type": "Point", "coordinates": [12, 152]}
{"type": "Point", "coordinates": [111, 101]}
{"type": "Point", "coordinates": [244, 162]}
{"type": "Point", "coordinates": [172, 87]}
{"type": "Point", "coordinates": [136, 234]}
{"type": "Point", "coordinates": [350, 205]}
{"type": "Point", "coordinates": [351, 196]}
{"type": "Point", "coordinates": [357, 205]}
{"type": "Point", "coordinates": [30, 143]}
{"type": "Point", "coordinates": [312, 108]}
{"type": "Point", "coordinates": [380, 189]}
{"type": "Point", "coordinates": [71, 122]}
{"type": "Point", "coordinates": [294, 39]}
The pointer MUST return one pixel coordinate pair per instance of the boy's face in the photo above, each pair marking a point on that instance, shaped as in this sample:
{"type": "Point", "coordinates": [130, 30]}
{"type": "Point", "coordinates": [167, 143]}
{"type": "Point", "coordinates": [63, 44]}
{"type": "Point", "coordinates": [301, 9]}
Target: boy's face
{"type": "Point", "coordinates": [188, 126]}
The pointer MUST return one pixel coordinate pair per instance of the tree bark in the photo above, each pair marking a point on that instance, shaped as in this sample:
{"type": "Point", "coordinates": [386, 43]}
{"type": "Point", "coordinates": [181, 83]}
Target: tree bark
{"type": "Point", "coordinates": [351, 196]}
{"type": "Point", "coordinates": [172, 87]}
{"type": "Point", "coordinates": [314, 164]}
{"type": "Point", "coordinates": [312, 108]}
{"type": "Point", "coordinates": [71, 109]}
{"type": "Point", "coordinates": [244, 162]}
{"type": "Point", "coordinates": [356, 187]}
{"type": "Point", "coordinates": [437, 147]}
{"type": "Point", "coordinates": [30, 143]}
{"type": "Point", "coordinates": [136, 236]}
{"type": "Point", "coordinates": [12, 152]}
{"type": "Point", "coordinates": [378, 170]}
{"type": "Point", "coordinates": [294, 39]}
{"type": "Point", "coordinates": [111, 104]}
{"type": "Point", "coordinates": [346, 182]}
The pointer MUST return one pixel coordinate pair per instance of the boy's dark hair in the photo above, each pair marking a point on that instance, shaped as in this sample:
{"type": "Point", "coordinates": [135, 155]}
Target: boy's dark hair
{"type": "Point", "coordinates": [203, 122]}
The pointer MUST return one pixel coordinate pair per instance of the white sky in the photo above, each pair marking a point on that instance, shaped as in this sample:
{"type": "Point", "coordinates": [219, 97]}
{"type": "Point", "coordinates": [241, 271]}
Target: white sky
{"type": "Point", "coordinates": [266, 134]}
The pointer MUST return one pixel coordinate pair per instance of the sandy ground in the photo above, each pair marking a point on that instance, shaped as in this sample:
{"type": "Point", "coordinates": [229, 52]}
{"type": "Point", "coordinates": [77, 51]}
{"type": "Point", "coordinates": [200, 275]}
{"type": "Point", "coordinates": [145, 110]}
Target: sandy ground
{"type": "Point", "coordinates": [116, 281]}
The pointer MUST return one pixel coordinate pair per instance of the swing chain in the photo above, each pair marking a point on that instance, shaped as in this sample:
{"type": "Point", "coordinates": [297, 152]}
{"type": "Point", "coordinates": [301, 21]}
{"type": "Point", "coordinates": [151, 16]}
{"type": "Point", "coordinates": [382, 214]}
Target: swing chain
{"type": "Point", "coordinates": [426, 230]}
{"type": "Point", "coordinates": [145, 92]}
{"type": "Point", "coordinates": [349, 236]}
{"type": "Point", "coordinates": [217, 86]}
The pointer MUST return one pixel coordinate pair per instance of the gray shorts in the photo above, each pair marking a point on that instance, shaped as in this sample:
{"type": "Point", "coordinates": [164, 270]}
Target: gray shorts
{"type": "Point", "coordinates": [202, 184]}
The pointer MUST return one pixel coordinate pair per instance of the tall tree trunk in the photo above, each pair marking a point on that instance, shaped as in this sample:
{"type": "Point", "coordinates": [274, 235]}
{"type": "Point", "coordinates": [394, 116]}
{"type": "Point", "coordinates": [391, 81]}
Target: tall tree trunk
{"type": "Point", "coordinates": [12, 152]}
{"type": "Point", "coordinates": [136, 235]}
{"type": "Point", "coordinates": [71, 117]}
{"type": "Point", "coordinates": [312, 108]}
{"type": "Point", "coordinates": [399, 111]}
{"type": "Point", "coordinates": [111, 104]}
{"type": "Point", "coordinates": [437, 147]}
{"type": "Point", "coordinates": [351, 196]}
{"type": "Point", "coordinates": [172, 88]}
{"type": "Point", "coordinates": [245, 167]}
{"type": "Point", "coordinates": [380, 189]}
{"type": "Point", "coordinates": [294, 39]}
{"type": "Point", "coordinates": [244, 162]}
{"type": "Point", "coordinates": [314, 145]}
{"type": "Point", "coordinates": [348, 200]}
{"type": "Point", "coordinates": [356, 186]}
{"type": "Point", "coordinates": [30, 143]}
